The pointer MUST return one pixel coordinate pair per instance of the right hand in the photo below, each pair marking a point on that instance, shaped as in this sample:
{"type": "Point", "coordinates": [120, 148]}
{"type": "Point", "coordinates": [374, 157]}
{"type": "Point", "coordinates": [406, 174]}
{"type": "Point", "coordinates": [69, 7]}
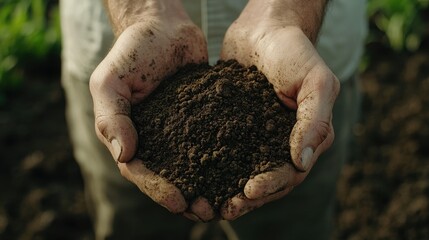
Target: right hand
{"type": "Point", "coordinates": [284, 53]}
{"type": "Point", "coordinates": [145, 53]}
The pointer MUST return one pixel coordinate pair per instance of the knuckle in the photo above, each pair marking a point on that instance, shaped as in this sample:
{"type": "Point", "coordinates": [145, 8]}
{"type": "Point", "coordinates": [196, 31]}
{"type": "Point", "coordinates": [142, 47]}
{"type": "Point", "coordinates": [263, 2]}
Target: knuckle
{"type": "Point", "coordinates": [98, 81]}
{"type": "Point", "coordinates": [323, 129]}
{"type": "Point", "coordinates": [330, 85]}
{"type": "Point", "coordinates": [101, 127]}
{"type": "Point", "coordinates": [336, 86]}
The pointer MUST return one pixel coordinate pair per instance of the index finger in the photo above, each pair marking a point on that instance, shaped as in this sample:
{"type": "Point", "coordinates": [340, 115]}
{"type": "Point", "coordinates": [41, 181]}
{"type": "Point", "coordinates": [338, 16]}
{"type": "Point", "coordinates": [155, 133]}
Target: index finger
{"type": "Point", "coordinates": [112, 106]}
{"type": "Point", "coordinates": [313, 132]}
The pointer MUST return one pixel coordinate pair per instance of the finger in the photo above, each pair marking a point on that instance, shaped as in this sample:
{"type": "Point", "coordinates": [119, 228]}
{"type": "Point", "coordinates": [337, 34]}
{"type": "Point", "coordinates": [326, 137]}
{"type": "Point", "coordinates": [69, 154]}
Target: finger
{"type": "Point", "coordinates": [112, 107]}
{"type": "Point", "coordinates": [268, 183]}
{"type": "Point", "coordinates": [154, 186]}
{"type": "Point", "coordinates": [240, 205]}
{"type": "Point", "coordinates": [202, 209]}
{"type": "Point", "coordinates": [313, 132]}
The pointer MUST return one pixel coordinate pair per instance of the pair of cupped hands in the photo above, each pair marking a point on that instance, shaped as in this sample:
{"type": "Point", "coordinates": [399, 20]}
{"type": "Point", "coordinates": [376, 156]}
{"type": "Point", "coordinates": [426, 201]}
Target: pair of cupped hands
{"type": "Point", "coordinates": [147, 52]}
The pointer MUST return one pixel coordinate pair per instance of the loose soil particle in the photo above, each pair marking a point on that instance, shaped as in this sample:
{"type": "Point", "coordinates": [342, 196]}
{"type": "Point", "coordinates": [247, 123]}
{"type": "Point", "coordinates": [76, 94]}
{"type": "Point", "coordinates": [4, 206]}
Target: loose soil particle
{"type": "Point", "coordinates": [208, 129]}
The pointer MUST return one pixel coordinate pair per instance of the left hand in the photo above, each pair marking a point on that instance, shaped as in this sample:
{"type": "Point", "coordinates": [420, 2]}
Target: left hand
{"type": "Point", "coordinates": [303, 82]}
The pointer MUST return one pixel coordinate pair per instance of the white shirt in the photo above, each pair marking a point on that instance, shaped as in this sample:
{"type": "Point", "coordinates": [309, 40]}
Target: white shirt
{"type": "Point", "coordinates": [87, 34]}
{"type": "Point", "coordinates": [340, 41]}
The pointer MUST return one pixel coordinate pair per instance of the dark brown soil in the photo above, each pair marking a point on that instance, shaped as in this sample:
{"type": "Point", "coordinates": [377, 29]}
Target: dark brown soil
{"type": "Point", "coordinates": [209, 129]}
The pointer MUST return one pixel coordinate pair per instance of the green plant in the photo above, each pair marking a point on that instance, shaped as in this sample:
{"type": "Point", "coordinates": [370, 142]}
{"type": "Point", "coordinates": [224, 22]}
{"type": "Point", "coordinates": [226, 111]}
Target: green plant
{"type": "Point", "coordinates": [29, 32]}
{"type": "Point", "coordinates": [400, 21]}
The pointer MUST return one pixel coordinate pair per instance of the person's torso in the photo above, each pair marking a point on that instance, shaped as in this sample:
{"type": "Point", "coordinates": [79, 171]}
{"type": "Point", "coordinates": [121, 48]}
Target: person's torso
{"type": "Point", "coordinates": [340, 41]}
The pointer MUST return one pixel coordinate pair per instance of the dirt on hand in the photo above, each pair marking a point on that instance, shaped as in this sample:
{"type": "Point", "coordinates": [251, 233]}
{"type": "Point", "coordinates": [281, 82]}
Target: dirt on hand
{"type": "Point", "coordinates": [208, 130]}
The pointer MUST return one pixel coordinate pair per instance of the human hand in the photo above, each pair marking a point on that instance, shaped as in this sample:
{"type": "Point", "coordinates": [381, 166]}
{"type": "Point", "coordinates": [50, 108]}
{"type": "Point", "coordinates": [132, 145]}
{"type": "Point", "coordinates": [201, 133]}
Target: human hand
{"type": "Point", "coordinates": [149, 48]}
{"type": "Point", "coordinates": [302, 81]}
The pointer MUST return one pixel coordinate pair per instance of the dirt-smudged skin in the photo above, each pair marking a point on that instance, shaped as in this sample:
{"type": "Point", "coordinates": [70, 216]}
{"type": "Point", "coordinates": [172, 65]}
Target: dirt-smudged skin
{"type": "Point", "coordinates": [209, 129]}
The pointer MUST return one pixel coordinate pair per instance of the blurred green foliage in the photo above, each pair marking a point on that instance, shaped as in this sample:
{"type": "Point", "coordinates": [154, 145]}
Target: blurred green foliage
{"type": "Point", "coordinates": [29, 34]}
{"type": "Point", "coordinates": [401, 22]}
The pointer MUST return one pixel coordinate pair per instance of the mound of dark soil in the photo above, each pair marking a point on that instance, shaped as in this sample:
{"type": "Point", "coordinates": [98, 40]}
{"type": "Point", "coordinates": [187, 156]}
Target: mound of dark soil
{"type": "Point", "coordinates": [209, 129]}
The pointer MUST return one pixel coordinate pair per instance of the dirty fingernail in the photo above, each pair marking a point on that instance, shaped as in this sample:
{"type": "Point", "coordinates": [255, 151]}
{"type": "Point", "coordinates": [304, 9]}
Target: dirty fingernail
{"type": "Point", "coordinates": [117, 149]}
{"type": "Point", "coordinates": [306, 157]}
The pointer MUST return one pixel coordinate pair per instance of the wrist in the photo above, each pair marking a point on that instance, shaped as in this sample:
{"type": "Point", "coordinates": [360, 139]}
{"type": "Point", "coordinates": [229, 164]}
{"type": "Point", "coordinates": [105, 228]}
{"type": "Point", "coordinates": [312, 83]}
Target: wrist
{"type": "Point", "coordinates": [306, 15]}
{"type": "Point", "coordinates": [126, 13]}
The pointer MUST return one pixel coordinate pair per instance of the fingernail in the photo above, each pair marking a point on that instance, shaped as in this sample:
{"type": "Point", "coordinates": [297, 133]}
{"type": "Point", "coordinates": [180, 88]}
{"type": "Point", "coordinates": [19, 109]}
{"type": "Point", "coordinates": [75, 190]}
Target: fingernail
{"type": "Point", "coordinates": [306, 157]}
{"type": "Point", "coordinates": [116, 148]}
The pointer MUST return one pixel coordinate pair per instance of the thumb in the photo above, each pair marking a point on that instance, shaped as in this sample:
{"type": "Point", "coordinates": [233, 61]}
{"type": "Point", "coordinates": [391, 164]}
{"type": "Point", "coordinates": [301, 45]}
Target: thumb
{"type": "Point", "coordinates": [112, 110]}
{"type": "Point", "coordinates": [118, 134]}
{"type": "Point", "coordinates": [313, 132]}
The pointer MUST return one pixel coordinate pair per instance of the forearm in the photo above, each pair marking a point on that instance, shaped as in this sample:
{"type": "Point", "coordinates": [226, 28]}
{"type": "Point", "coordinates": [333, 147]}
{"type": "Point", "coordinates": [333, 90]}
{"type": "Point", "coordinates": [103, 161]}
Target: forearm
{"type": "Point", "coordinates": [304, 14]}
{"type": "Point", "coordinates": [125, 13]}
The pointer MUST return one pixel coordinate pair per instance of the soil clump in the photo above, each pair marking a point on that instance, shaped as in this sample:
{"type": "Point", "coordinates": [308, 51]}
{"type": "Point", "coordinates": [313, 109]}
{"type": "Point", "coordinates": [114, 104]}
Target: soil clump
{"type": "Point", "coordinates": [208, 129]}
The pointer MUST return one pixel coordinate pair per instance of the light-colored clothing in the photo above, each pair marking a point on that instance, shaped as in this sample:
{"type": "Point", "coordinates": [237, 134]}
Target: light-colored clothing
{"type": "Point", "coordinates": [344, 28]}
{"type": "Point", "coordinates": [121, 211]}
{"type": "Point", "coordinates": [88, 34]}
{"type": "Point", "coordinates": [342, 36]}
